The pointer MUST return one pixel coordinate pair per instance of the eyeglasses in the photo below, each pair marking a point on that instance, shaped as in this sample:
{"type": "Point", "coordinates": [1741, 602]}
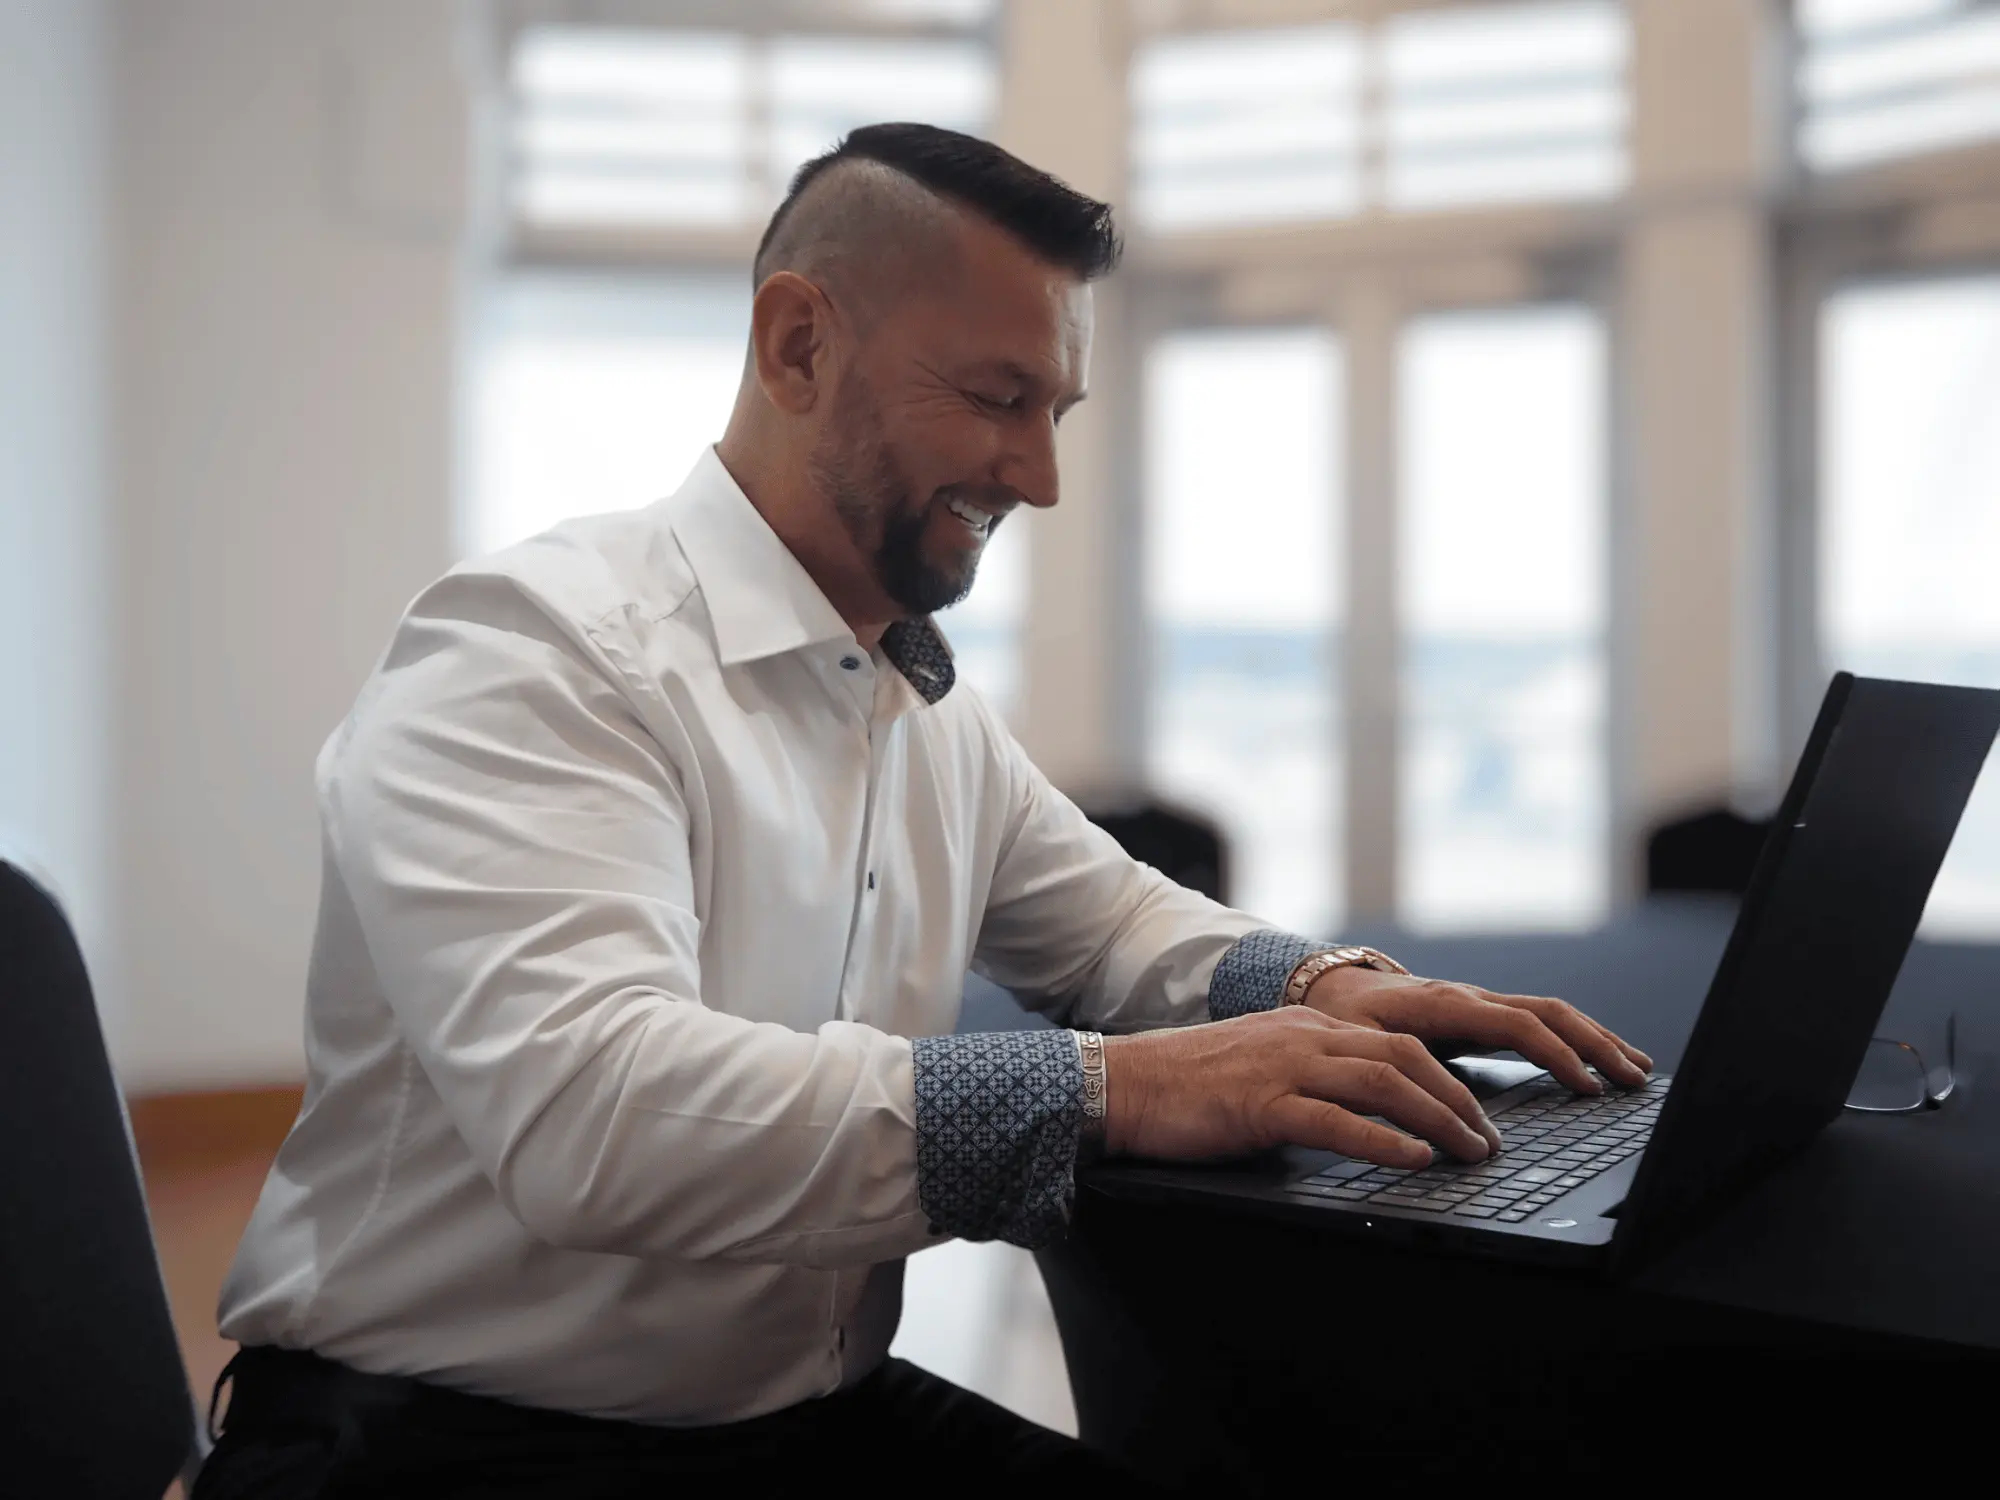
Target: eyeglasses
{"type": "Point", "coordinates": [1895, 1081]}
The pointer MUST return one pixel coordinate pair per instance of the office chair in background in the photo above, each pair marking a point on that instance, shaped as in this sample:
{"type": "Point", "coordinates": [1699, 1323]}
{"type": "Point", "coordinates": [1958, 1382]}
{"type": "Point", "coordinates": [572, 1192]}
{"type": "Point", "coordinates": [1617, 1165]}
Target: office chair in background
{"type": "Point", "coordinates": [94, 1399]}
{"type": "Point", "coordinates": [1182, 845]}
{"type": "Point", "coordinates": [1713, 851]}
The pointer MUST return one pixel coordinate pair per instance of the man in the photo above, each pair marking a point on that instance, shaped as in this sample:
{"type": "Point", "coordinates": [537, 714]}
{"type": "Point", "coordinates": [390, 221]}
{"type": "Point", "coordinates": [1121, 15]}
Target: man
{"type": "Point", "coordinates": [656, 850]}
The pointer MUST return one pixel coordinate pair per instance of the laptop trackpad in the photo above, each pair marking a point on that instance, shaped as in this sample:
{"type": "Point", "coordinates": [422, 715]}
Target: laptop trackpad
{"type": "Point", "coordinates": [1489, 1077]}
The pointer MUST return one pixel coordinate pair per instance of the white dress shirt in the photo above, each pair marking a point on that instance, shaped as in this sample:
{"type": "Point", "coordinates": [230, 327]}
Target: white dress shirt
{"type": "Point", "coordinates": [639, 876]}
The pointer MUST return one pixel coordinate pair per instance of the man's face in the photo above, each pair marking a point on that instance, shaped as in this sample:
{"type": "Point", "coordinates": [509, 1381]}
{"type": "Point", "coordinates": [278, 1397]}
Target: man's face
{"type": "Point", "coordinates": [944, 419]}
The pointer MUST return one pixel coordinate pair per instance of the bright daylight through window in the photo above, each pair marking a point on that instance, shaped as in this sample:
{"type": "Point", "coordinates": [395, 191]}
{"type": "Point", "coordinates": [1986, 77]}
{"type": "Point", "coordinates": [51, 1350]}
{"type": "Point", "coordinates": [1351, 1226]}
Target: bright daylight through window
{"type": "Point", "coordinates": [1909, 533]}
{"type": "Point", "coordinates": [592, 395]}
{"type": "Point", "coordinates": [1886, 78]}
{"type": "Point", "coordinates": [1245, 596]}
{"type": "Point", "coordinates": [1504, 801]}
{"type": "Point", "coordinates": [1430, 109]}
{"type": "Point", "coordinates": [702, 129]}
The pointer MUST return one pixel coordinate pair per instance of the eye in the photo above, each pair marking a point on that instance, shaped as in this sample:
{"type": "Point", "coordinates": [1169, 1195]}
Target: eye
{"type": "Point", "coordinates": [1008, 404]}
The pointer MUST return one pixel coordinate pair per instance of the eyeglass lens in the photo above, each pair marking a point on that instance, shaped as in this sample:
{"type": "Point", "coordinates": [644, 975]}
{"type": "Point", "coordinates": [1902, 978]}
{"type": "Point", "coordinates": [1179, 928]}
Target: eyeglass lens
{"type": "Point", "coordinates": [1891, 1078]}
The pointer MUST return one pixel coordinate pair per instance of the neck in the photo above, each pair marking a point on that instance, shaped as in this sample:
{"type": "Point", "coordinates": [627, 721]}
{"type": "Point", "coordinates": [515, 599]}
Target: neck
{"type": "Point", "coordinates": [779, 485]}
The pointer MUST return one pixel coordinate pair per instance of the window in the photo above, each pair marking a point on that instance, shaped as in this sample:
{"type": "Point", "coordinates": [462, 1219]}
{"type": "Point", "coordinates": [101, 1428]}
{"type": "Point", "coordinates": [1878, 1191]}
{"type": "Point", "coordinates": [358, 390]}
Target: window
{"type": "Point", "coordinates": [593, 395]}
{"type": "Point", "coordinates": [985, 627]}
{"type": "Point", "coordinates": [1910, 526]}
{"type": "Point", "coordinates": [1429, 109]}
{"type": "Point", "coordinates": [1884, 78]}
{"type": "Point", "coordinates": [1244, 597]}
{"type": "Point", "coordinates": [1502, 602]}
{"type": "Point", "coordinates": [1246, 127]}
{"type": "Point", "coordinates": [702, 129]}
{"type": "Point", "coordinates": [1505, 103]}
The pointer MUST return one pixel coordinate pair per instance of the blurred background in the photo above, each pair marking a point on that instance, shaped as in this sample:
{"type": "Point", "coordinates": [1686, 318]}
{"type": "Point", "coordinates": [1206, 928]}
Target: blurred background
{"type": "Point", "coordinates": [1507, 417]}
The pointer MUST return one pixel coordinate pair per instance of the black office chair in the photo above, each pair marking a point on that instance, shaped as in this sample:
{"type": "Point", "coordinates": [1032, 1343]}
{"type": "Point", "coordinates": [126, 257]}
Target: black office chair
{"type": "Point", "coordinates": [93, 1396]}
{"type": "Point", "coordinates": [1714, 851]}
{"type": "Point", "coordinates": [1182, 845]}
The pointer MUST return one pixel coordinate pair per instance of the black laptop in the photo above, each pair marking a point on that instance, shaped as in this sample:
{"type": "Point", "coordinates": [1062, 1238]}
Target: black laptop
{"type": "Point", "coordinates": [1602, 1179]}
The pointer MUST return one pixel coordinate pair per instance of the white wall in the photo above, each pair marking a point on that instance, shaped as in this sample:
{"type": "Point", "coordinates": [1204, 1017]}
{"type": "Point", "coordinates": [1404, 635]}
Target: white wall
{"type": "Point", "coordinates": [53, 688]}
{"type": "Point", "coordinates": [289, 177]}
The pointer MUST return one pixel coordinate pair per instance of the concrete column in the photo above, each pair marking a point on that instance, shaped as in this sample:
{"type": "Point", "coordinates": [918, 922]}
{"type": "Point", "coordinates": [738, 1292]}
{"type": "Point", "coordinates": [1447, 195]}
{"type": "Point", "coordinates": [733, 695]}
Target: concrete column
{"type": "Point", "coordinates": [1062, 108]}
{"type": "Point", "coordinates": [1370, 321]}
{"type": "Point", "coordinates": [1697, 650]}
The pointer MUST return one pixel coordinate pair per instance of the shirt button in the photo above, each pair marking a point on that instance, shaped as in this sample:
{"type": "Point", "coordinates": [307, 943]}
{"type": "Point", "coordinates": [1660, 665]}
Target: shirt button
{"type": "Point", "coordinates": [850, 663]}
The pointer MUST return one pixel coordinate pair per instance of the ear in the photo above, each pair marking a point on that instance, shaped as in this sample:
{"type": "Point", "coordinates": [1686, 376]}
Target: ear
{"type": "Point", "coordinates": [791, 327]}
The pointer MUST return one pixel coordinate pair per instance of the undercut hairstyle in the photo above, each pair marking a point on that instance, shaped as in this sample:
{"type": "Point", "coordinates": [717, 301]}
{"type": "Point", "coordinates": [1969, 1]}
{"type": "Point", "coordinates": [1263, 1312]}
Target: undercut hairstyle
{"type": "Point", "coordinates": [877, 195]}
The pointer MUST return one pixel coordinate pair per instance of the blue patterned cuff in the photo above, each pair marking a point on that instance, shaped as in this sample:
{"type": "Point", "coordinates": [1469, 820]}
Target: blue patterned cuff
{"type": "Point", "coordinates": [998, 1114]}
{"type": "Point", "coordinates": [1251, 975]}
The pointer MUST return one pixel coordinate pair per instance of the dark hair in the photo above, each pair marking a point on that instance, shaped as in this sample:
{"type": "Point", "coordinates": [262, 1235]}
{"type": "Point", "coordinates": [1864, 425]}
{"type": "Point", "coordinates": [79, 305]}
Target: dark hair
{"type": "Point", "coordinates": [1055, 221]}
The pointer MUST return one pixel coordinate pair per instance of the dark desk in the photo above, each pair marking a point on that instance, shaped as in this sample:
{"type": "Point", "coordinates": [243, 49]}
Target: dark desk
{"type": "Point", "coordinates": [1853, 1297]}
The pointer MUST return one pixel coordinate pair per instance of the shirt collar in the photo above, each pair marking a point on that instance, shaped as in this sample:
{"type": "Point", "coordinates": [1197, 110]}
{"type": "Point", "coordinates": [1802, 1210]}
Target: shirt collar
{"type": "Point", "coordinates": [760, 598]}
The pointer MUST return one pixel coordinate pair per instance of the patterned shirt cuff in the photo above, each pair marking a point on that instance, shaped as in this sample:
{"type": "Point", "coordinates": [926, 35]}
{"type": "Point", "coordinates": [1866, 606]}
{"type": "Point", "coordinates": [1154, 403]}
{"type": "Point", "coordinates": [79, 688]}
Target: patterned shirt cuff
{"type": "Point", "coordinates": [998, 1117]}
{"type": "Point", "coordinates": [1251, 975]}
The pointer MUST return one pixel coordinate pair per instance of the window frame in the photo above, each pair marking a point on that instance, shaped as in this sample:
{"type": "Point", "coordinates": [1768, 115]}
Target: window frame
{"type": "Point", "coordinates": [1916, 219]}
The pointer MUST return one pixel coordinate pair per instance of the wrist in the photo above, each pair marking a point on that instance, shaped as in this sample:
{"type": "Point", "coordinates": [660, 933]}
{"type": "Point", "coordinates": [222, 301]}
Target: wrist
{"type": "Point", "coordinates": [1315, 969]}
{"type": "Point", "coordinates": [1125, 1086]}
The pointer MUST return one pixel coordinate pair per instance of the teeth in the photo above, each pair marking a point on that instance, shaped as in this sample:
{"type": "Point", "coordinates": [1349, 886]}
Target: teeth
{"type": "Point", "coordinates": [972, 515]}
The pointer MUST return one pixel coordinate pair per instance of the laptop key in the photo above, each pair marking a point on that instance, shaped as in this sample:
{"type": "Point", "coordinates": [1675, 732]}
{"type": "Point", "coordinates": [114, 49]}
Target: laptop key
{"type": "Point", "coordinates": [1473, 1211]}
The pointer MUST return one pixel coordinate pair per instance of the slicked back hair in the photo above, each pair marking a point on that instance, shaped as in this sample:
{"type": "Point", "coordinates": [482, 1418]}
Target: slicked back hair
{"type": "Point", "coordinates": [1054, 221]}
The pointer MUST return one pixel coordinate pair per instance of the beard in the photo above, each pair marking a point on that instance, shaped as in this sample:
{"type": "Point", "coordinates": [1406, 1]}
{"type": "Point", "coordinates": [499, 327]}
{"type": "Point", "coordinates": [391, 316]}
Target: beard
{"type": "Point", "coordinates": [855, 467]}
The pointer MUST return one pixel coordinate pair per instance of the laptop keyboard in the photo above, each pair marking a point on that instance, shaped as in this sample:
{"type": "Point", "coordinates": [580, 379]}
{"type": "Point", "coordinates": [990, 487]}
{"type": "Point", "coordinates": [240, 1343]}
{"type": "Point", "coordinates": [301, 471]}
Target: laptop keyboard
{"type": "Point", "coordinates": [1556, 1141]}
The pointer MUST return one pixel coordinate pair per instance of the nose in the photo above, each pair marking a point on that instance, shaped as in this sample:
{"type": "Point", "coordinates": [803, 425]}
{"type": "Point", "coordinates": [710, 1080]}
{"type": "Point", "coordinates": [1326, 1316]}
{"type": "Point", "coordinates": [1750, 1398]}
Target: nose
{"type": "Point", "coordinates": [1029, 465]}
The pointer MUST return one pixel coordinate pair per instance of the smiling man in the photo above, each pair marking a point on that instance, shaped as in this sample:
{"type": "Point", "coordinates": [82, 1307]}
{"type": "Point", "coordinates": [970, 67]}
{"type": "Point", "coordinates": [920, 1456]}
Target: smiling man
{"type": "Point", "coordinates": [656, 851]}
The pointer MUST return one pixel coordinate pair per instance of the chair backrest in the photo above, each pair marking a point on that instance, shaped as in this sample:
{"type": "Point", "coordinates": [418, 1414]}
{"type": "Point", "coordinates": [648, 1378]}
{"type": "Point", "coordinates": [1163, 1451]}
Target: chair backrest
{"type": "Point", "coordinates": [93, 1396]}
{"type": "Point", "coordinates": [1180, 844]}
{"type": "Point", "coordinates": [1714, 850]}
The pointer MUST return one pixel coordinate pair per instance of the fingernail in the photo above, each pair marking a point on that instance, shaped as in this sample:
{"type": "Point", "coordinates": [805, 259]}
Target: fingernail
{"type": "Point", "coordinates": [1492, 1132]}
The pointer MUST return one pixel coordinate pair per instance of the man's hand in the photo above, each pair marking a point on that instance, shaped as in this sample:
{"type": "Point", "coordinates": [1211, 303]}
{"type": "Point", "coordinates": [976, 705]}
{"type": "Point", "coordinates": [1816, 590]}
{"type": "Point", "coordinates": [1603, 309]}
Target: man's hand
{"type": "Point", "coordinates": [1290, 1076]}
{"type": "Point", "coordinates": [1547, 1032]}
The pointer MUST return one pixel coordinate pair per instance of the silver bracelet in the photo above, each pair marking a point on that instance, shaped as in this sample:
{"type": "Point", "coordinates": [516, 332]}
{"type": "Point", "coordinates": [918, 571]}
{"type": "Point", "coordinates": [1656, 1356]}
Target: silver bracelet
{"type": "Point", "coordinates": [1090, 1052]}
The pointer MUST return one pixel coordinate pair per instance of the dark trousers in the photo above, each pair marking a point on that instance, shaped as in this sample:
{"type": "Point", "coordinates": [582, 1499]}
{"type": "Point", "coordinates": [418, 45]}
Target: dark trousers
{"type": "Point", "coordinates": [299, 1426]}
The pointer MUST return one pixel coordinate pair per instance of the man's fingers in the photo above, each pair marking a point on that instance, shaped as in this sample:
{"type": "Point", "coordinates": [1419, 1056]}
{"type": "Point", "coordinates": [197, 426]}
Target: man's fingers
{"type": "Point", "coordinates": [1305, 1121]}
{"type": "Point", "coordinates": [1463, 1010]}
{"type": "Point", "coordinates": [1585, 1037]}
{"type": "Point", "coordinates": [1378, 1086]}
{"type": "Point", "coordinates": [1410, 1055]}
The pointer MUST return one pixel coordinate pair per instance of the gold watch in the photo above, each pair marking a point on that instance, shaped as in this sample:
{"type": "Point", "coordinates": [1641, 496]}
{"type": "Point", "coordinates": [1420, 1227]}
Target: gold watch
{"type": "Point", "coordinates": [1315, 964]}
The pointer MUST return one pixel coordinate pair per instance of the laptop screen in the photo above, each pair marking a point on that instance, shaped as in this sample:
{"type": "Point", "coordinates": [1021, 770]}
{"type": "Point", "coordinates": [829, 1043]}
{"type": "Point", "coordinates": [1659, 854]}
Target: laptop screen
{"type": "Point", "coordinates": [1830, 912]}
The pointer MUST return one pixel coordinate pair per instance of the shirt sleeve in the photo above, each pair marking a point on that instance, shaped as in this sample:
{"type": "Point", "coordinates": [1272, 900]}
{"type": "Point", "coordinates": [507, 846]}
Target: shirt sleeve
{"type": "Point", "coordinates": [998, 1119]}
{"type": "Point", "coordinates": [1251, 975]}
{"type": "Point", "coordinates": [1081, 931]}
{"type": "Point", "coordinates": [515, 845]}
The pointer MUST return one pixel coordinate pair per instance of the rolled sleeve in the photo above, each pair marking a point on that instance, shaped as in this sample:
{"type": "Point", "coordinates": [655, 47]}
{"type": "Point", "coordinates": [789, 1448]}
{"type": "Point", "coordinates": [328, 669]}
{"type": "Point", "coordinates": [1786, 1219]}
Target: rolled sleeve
{"type": "Point", "coordinates": [998, 1117]}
